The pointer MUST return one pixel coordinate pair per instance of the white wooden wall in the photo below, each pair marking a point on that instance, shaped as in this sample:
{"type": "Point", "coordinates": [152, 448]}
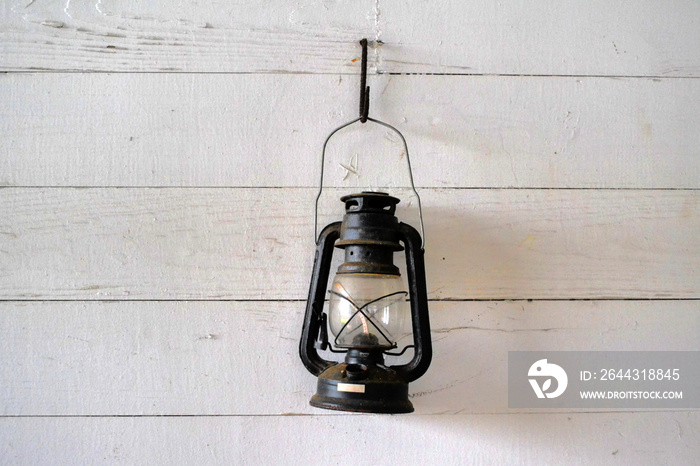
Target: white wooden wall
{"type": "Point", "coordinates": [158, 162]}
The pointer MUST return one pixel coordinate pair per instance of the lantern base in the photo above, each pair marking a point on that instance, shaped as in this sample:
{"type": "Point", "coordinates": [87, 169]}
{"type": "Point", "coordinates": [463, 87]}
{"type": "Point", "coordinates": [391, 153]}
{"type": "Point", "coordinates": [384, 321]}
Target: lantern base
{"type": "Point", "coordinates": [374, 390]}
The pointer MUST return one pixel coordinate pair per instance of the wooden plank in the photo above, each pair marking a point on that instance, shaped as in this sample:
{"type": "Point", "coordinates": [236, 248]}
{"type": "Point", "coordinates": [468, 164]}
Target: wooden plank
{"type": "Point", "coordinates": [541, 38]}
{"type": "Point", "coordinates": [241, 358]}
{"type": "Point", "coordinates": [253, 130]}
{"type": "Point", "coordinates": [162, 36]}
{"type": "Point", "coordinates": [538, 37]}
{"type": "Point", "coordinates": [258, 243]}
{"type": "Point", "coordinates": [632, 438]}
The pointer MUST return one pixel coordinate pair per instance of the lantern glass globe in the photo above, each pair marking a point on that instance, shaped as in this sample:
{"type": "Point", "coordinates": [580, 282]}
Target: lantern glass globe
{"type": "Point", "coordinates": [368, 311]}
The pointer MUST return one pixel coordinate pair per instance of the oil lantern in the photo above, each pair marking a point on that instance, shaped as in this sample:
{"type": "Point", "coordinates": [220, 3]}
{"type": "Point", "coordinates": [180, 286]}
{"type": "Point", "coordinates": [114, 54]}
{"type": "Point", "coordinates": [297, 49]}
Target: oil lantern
{"type": "Point", "coordinates": [368, 307]}
{"type": "Point", "coordinates": [369, 304]}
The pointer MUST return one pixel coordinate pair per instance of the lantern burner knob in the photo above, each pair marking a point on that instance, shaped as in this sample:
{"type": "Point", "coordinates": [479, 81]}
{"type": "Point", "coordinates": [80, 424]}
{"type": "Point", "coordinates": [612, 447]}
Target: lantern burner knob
{"type": "Point", "coordinates": [356, 371]}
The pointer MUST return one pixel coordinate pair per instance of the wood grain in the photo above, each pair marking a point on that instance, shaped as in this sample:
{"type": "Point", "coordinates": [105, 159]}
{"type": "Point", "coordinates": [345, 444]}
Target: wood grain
{"type": "Point", "coordinates": [253, 130]}
{"type": "Point", "coordinates": [538, 37]}
{"type": "Point", "coordinates": [241, 358]}
{"type": "Point", "coordinates": [632, 438]}
{"type": "Point", "coordinates": [258, 243]}
{"type": "Point", "coordinates": [183, 36]}
{"type": "Point", "coordinates": [153, 318]}
{"type": "Point", "coordinates": [541, 38]}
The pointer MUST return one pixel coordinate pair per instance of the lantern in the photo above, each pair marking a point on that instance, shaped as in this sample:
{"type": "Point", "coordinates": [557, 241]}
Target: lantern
{"type": "Point", "coordinates": [369, 303]}
{"type": "Point", "coordinates": [368, 306]}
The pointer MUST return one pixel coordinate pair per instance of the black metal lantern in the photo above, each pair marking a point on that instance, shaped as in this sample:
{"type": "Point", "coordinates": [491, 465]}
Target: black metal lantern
{"type": "Point", "coordinates": [368, 303]}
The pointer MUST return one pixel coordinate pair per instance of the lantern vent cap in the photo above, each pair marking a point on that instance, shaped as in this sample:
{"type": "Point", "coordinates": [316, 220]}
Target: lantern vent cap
{"type": "Point", "coordinates": [370, 201]}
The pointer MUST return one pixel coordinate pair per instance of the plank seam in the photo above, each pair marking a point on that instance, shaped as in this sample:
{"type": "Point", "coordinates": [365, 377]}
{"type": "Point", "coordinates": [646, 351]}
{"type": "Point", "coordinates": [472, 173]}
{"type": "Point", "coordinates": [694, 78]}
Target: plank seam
{"type": "Point", "coordinates": [377, 73]}
{"type": "Point", "coordinates": [331, 415]}
{"type": "Point", "coordinates": [526, 75]}
{"type": "Point", "coordinates": [441, 188]}
{"type": "Point", "coordinates": [435, 300]}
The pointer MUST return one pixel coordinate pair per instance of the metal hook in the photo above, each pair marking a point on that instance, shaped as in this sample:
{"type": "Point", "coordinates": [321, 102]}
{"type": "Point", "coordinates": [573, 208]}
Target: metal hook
{"type": "Point", "coordinates": [364, 88]}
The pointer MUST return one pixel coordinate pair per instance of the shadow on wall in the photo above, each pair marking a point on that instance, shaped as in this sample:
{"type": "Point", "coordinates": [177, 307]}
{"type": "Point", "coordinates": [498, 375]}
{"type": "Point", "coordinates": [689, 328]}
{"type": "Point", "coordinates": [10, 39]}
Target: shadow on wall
{"type": "Point", "coordinates": [475, 257]}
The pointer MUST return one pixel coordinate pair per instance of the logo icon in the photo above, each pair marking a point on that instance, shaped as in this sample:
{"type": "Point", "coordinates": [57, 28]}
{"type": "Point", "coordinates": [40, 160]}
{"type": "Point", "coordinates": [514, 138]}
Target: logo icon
{"type": "Point", "coordinates": [542, 369]}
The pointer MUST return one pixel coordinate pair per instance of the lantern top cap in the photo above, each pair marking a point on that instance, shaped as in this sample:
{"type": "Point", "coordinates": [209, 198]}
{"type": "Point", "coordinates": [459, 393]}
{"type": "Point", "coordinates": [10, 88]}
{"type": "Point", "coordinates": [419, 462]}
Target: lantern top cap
{"type": "Point", "coordinates": [370, 201]}
{"type": "Point", "coordinates": [380, 196]}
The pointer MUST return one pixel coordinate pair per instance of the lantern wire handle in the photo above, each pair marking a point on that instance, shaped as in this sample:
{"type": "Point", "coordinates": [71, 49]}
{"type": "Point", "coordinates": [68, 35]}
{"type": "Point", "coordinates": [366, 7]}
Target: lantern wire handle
{"type": "Point", "coordinates": [364, 117]}
{"type": "Point", "coordinates": [408, 162]}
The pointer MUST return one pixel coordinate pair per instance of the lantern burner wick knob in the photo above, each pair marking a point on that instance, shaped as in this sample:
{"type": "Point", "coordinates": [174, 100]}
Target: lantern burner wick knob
{"type": "Point", "coordinates": [356, 371]}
